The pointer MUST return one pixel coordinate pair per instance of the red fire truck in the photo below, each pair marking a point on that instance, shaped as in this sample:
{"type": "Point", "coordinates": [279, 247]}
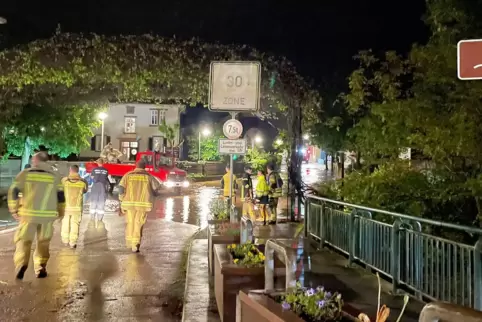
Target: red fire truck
{"type": "Point", "coordinates": [160, 165]}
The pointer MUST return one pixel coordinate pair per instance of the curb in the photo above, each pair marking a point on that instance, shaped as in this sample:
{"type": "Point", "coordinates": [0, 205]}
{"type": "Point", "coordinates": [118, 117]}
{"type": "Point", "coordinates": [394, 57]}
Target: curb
{"type": "Point", "coordinates": [187, 274]}
{"type": "Point", "coordinates": [8, 230]}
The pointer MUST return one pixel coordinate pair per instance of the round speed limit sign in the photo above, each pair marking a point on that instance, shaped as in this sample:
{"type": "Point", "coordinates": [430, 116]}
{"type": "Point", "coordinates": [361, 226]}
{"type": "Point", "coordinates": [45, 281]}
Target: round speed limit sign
{"type": "Point", "coordinates": [232, 129]}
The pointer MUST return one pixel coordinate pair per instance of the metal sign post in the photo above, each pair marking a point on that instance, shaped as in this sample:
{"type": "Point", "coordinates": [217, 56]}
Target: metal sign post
{"type": "Point", "coordinates": [231, 167]}
{"type": "Point", "coordinates": [234, 87]}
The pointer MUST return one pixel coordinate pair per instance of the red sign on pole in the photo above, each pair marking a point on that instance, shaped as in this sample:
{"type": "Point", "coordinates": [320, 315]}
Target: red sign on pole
{"type": "Point", "coordinates": [469, 59]}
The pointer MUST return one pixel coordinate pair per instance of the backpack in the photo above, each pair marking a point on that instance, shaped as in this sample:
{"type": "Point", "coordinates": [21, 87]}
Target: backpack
{"type": "Point", "coordinates": [279, 181]}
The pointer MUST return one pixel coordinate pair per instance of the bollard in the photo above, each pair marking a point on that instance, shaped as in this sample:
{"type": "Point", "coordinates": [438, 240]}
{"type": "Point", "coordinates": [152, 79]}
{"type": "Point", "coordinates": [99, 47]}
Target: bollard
{"type": "Point", "coordinates": [289, 259]}
{"type": "Point", "coordinates": [446, 312]}
{"type": "Point", "coordinates": [246, 230]}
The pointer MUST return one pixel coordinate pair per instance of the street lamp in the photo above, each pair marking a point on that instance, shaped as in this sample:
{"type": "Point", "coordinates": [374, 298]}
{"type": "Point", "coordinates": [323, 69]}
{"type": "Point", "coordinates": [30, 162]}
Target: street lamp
{"type": "Point", "coordinates": [102, 117]}
{"type": "Point", "coordinates": [258, 139]}
{"type": "Point", "coordinates": [204, 132]}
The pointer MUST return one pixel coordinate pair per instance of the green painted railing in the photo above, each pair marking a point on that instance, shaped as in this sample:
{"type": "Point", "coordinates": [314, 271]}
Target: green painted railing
{"type": "Point", "coordinates": [430, 267]}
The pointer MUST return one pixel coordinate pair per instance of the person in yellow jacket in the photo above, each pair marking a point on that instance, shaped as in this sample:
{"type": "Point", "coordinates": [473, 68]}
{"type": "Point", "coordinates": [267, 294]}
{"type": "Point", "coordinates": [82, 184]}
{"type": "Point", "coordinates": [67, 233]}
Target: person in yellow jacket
{"type": "Point", "coordinates": [42, 196]}
{"type": "Point", "coordinates": [226, 183]}
{"type": "Point", "coordinates": [262, 191]}
{"type": "Point", "coordinates": [137, 188]}
{"type": "Point", "coordinates": [74, 188]}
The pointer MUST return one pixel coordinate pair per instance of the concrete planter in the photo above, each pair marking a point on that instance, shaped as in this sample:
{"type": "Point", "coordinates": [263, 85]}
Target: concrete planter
{"type": "Point", "coordinates": [260, 307]}
{"type": "Point", "coordinates": [229, 279]}
{"type": "Point", "coordinates": [214, 239]}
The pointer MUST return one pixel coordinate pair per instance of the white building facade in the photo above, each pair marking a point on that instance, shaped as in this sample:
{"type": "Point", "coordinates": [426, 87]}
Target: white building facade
{"type": "Point", "coordinates": [133, 128]}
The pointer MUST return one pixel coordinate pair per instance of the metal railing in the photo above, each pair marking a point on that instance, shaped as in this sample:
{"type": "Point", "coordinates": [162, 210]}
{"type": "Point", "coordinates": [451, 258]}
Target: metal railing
{"type": "Point", "coordinates": [431, 267]}
{"type": "Point", "coordinates": [288, 258]}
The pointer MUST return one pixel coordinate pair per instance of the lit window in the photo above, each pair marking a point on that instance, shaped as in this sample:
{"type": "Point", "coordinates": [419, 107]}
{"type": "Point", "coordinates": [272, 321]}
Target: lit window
{"type": "Point", "coordinates": [130, 125]}
{"type": "Point", "coordinates": [155, 117]}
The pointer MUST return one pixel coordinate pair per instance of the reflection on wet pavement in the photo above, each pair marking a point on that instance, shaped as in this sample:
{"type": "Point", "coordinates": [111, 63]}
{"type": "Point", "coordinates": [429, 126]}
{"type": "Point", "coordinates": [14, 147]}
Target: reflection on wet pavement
{"type": "Point", "coordinates": [191, 208]}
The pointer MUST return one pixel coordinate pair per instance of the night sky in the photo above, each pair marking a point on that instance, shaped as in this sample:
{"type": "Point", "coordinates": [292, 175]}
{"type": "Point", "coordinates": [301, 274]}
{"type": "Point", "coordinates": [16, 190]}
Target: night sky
{"type": "Point", "coordinates": [320, 37]}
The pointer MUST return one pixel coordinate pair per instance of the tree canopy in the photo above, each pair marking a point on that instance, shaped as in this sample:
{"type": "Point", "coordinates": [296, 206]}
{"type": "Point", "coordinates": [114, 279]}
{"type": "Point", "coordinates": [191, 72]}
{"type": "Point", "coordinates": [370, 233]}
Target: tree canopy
{"type": "Point", "coordinates": [137, 68]}
{"type": "Point", "coordinates": [416, 101]}
{"type": "Point", "coordinates": [71, 71]}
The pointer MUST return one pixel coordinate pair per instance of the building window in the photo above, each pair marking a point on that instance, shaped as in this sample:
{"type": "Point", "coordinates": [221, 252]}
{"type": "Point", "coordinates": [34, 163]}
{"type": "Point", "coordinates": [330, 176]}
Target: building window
{"type": "Point", "coordinates": [95, 142]}
{"type": "Point", "coordinates": [129, 124]}
{"type": "Point", "coordinates": [154, 117]}
{"type": "Point", "coordinates": [162, 115]}
{"type": "Point", "coordinates": [130, 109]}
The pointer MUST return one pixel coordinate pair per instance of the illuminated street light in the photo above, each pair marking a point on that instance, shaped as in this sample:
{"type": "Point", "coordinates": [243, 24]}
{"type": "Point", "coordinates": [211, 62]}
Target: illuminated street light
{"type": "Point", "coordinates": [42, 129]}
{"type": "Point", "coordinates": [204, 132]}
{"type": "Point", "coordinates": [258, 139]}
{"type": "Point", "coordinates": [306, 136]}
{"type": "Point", "coordinates": [102, 117]}
{"type": "Point", "coordinates": [3, 21]}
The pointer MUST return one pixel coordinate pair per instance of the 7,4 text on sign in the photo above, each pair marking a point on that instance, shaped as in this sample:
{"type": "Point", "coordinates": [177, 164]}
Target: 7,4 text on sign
{"type": "Point", "coordinates": [234, 86]}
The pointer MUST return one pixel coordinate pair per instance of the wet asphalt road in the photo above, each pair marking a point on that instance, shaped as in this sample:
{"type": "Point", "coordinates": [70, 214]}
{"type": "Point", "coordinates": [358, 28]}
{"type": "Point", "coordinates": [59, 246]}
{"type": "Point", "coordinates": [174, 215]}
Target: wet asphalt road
{"type": "Point", "coordinates": [101, 280]}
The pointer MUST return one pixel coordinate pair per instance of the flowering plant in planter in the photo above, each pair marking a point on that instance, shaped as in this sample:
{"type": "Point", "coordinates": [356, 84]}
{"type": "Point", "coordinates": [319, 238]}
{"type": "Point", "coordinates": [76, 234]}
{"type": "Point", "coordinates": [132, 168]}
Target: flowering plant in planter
{"type": "Point", "coordinates": [218, 209]}
{"type": "Point", "coordinates": [313, 304]}
{"type": "Point", "coordinates": [246, 255]}
{"type": "Point", "coordinates": [228, 229]}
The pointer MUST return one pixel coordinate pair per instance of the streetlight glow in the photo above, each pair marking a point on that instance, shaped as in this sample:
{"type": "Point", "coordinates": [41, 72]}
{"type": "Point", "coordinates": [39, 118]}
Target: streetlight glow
{"type": "Point", "coordinates": [306, 136]}
{"type": "Point", "coordinates": [42, 129]}
{"type": "Point", "coordinates": [258, 139]}
{"type": "Point", "coordinates": [102, 116]}
{"type": "Point", "coordinates": [206, 132]}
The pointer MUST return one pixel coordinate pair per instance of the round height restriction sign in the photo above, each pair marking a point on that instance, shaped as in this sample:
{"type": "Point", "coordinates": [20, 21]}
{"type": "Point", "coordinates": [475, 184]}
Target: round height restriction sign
{"type": "Point", "coordinates": [232, 129]}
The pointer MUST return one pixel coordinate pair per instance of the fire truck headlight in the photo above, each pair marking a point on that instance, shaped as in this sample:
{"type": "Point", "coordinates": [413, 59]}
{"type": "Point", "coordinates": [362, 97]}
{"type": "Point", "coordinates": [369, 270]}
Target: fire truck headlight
{"type": "Point", "coordinates": [169, 184]}
{"type": "Point", "coordinates": [185, 184]}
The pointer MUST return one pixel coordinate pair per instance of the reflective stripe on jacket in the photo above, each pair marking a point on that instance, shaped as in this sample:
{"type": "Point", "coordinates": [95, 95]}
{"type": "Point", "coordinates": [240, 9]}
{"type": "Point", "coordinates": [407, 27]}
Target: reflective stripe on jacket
{"type": "Point", "coordinates": [136, 190]}
{"type": "Point", "coordinates": [37, 194]}
{"type": "Point", "coordinates": [274, 190]}
{"type": "Point", "coordinates": [74, 189]}
{"type": "Point", "coordinates": [262, 188]}
{"type": "Point", "coordinates": [226, 182]}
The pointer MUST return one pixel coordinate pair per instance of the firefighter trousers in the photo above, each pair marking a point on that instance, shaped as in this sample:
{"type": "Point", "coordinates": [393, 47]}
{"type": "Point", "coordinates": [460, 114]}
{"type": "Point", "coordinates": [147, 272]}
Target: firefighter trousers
{"type": "Point", "coordinates": [273, 208]}
{"type": "Point", "coordinates": [98, 195]}
{"type": "Point", "coordinates": [248, 210]}
{"type": "Point", "coordinates": [135, 220]}
{"type": "Point", "coordinates": [70, 227]}
{"type": "Point", "coordinates": [23, 240]}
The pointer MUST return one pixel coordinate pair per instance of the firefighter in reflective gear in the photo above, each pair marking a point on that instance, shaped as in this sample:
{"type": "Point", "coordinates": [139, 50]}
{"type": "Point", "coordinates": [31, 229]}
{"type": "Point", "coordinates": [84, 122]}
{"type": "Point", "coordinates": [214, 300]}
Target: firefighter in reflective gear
{"type": "Point", "coordinates": [98, 192]}
{"type": "Point", "coordinates": [42, 195]}
{"type": "Point", "coordinates": [247, 194]}
{"type": "Point", "coordinates": [262, 191]}
{"type": "Point", "coordinates": [275, 185]}
{"type": "Point", "coordinates": [74, 189]}
{"type": "Point", "coordinates": [225, 184]}
{"type": "Point", "coordinates": [136, 191]}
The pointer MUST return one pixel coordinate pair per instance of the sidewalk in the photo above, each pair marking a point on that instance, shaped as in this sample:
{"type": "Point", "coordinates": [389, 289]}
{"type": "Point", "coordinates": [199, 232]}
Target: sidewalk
{"type": "Point", "coordinates": [101, 279]}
